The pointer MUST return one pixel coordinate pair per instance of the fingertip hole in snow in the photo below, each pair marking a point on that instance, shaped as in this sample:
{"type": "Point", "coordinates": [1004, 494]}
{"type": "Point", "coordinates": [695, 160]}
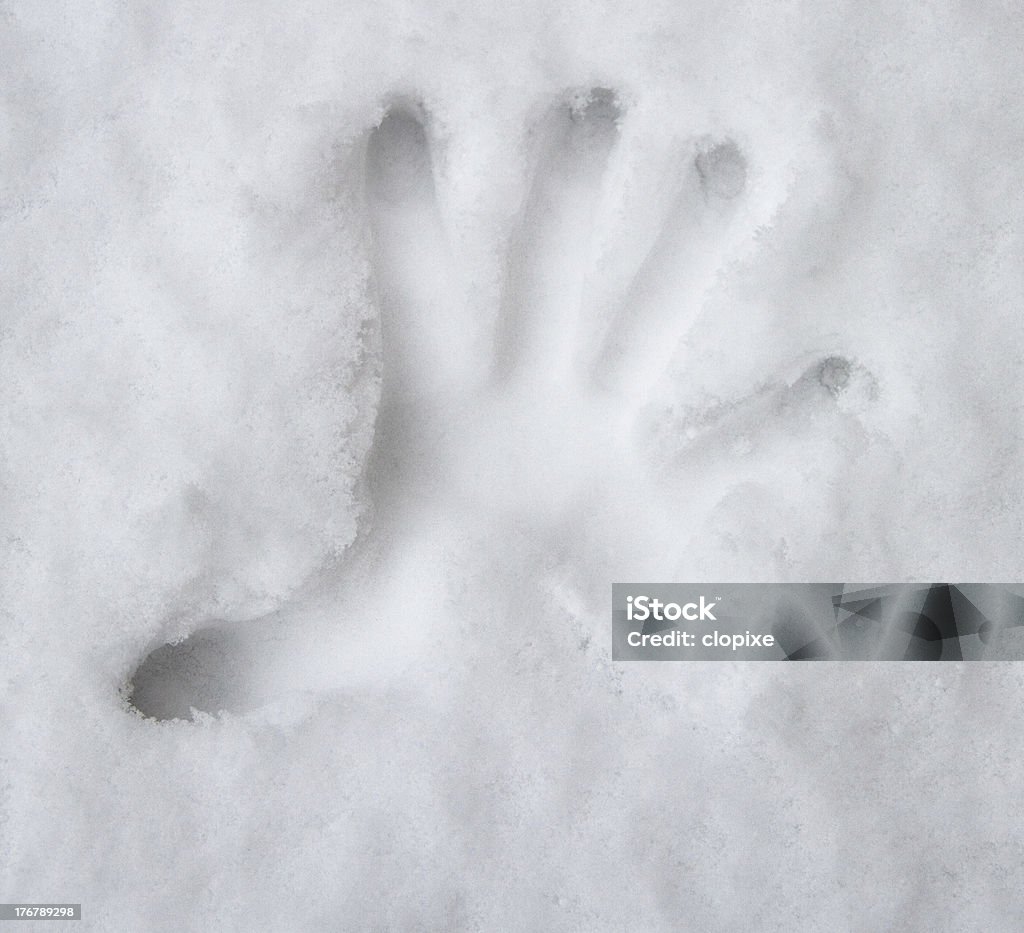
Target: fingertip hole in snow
{"type": "Point", "coordinates": [851, 385]}
{"type": "Point", "coordinates": [595, 115]}
{"type": "Point", "coordinates": [834, 373]}
{"type": "Point", "coordinates": [197, 674]}
{"type": "Point", "coordinates": [599, 104]}
{"type": "Point", "coordinates": [398, 163]}
{"type": "Point", "coordinates": [722, 168]}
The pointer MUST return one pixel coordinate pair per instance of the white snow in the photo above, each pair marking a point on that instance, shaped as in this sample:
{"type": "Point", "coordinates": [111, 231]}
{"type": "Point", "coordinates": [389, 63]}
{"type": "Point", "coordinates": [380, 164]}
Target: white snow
{"type": "Point", "coordinates": [615, 292]}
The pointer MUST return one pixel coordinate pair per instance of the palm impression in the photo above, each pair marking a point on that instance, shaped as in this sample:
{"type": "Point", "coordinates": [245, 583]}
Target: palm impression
{"type": "Point", "coordinates": [511, 449]}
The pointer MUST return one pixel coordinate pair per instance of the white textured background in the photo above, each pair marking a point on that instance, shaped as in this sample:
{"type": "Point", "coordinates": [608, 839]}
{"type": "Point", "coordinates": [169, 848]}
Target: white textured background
{"type": "Point", "coordinates": [186, 287]}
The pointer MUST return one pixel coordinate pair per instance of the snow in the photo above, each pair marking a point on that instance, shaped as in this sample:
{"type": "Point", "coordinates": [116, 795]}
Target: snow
{"type": "Point", "coordinates": [536, 298]}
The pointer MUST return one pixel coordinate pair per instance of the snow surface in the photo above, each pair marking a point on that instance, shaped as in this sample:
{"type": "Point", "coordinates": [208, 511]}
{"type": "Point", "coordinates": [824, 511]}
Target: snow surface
{"type": "Point", "coordinates": [537, 297]}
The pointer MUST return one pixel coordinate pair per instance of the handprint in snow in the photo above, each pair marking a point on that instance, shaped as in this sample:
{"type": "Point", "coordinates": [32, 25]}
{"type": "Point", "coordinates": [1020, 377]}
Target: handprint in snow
{"type": "Point", "coordinates": [479, 466]}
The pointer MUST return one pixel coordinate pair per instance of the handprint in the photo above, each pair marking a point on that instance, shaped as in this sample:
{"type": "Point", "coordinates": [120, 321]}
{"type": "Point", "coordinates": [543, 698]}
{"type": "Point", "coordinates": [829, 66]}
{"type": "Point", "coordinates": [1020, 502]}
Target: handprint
{"type": "Point", "coordinates": [473, 456]}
